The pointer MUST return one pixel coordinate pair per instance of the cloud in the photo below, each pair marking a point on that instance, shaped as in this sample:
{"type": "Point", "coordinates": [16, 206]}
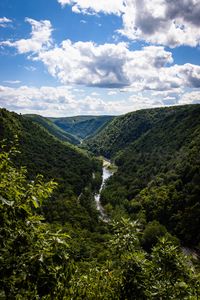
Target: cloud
{"type": "Point", "coordinates": [106, 65]}
{"type": "Point", "coordinates": [12, 81]}
{"type": "Point", "coordinates": [164, 22]}
{"type": "Point", "coordinates": [190, 98]}
{"type": "Point", "coordinates": [4, 22]}
{"type": "Point", "coordinates": [87, 63]}
{"type": "Point", "coordinates": [52, 101]}
{"type": "Point", "coordinates": [62, 101]}
{"type": "Point", "coordinates": [115, 66]}
{"type": "Point", "coordinates": [40, 37]}
{"type": "Point", "coordinates": [111, 93]}
{"type": "Point", "coordinates": [91, 6]}
{"type": "Point", "coordinates": [31, 99]}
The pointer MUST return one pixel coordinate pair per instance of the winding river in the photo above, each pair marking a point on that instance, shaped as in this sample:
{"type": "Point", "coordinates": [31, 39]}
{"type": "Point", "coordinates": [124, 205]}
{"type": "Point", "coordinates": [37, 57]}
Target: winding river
{"type": "Point", "coordinates": [106, 174]}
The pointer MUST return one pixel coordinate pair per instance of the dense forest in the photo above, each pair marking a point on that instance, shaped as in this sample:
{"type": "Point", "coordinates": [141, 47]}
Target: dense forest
{"type": "Point", "coordinates": [158, 159]}
{"type": "Point", "coordinates": [53, 129]}
{"type": "Point", "coordinates": [53, 243]}
{"type": "Point", "coordinates": [69, 166]}
{"type": "Point", "coordinates": [82, 126]}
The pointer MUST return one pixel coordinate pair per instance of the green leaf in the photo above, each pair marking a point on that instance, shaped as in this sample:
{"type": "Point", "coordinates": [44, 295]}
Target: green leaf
{"type": "Point", "coordinates": [6, 202]}
{"type": "Point", "coordinates": [35, 201]}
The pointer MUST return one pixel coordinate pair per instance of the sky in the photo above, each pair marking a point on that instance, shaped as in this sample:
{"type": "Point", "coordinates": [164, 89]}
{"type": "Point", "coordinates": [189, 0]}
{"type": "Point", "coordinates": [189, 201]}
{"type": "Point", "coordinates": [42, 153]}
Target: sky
{"type": "Point", "coordinates": [98, 57]}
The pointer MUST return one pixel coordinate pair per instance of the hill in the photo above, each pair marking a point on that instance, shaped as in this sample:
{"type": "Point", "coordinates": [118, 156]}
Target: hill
{"type": "Point", "coordinates": [82, 126]}
{"type": "Point", "coordinates": [125, 129]}
{"type": "Point", "coordinates": [53, 129]}
{"type": "Point", "coordinates": [157, 154]}
{"type": "Point", "coordinates": [43, 154]}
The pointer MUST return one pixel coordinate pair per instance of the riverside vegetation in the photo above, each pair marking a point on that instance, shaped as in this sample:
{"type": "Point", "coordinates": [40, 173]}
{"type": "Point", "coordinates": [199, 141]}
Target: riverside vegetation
{"type": "Point", "coordinates": [53, 243]}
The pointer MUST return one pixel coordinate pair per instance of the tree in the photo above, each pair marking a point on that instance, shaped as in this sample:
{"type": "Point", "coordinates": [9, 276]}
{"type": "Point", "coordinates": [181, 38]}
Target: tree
{"type": "Point", "coordinates": [33, 257]}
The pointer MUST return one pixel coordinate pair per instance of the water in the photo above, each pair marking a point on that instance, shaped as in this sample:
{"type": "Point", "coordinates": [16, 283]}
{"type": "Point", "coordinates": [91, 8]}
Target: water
{"type": "Point", "coordinates": [106, 174]}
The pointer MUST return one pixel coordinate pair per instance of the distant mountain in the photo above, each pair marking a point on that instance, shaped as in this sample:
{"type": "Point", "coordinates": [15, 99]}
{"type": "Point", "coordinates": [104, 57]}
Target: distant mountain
{"type": "Point", "coordinates": [53, 129]}
{"type": "Point", "coordinates": [157, 152]}
{"type": "Point", "coordinates": [82, 127]}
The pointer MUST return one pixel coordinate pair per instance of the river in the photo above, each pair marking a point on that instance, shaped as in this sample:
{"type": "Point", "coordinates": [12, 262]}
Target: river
{"type": "Point", "coordinates": [106, 174]}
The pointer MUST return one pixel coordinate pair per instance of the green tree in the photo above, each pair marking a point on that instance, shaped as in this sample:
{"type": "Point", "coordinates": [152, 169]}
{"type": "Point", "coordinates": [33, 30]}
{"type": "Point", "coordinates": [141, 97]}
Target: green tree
{"type": "Point", "coordinates": [33, 258]}
{"type": "Point", "coordinates": [171, 274]}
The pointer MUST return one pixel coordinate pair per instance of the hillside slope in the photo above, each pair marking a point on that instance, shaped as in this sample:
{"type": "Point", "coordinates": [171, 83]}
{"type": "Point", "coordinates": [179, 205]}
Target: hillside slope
{"type": "Point", "coordinates": [158, 168]}
{"type": "Point", "coordinates": [53, 129]}
{"type": "Point", "coordinates": [126, 129]}
{"type": "Point", "coordinates": [82, 126]}
{"type": "Point", "coordinates": [42, 154]}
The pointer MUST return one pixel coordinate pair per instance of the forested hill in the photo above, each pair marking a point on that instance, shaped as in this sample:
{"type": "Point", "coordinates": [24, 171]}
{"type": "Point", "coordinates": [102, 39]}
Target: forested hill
{"type": "Point", "coordinates": [125, 129]}
{"type": "Point", "coordinates": [42, 153]}
{"type": "Point", "coordinates": [158, 157]}
{"type": "Point", "coordinates": [82, 126]}
{"type": "Point", "coordinates": [53, 129]}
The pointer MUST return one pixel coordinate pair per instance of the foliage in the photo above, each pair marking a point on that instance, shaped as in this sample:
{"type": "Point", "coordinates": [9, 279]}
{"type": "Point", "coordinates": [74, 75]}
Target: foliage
{"type": "Point", "coordinates": [37, 262]}
{"type": "Point", "coordinates": [151, 234]}
{"type": "Point", "coordinates": [72, 169]}
{"type": "Point", "coordinates": [33, 258]}
{"type": "Point", "coordinates": [158, 167]}
{"type": "Point", "coordinates": [41, 153]}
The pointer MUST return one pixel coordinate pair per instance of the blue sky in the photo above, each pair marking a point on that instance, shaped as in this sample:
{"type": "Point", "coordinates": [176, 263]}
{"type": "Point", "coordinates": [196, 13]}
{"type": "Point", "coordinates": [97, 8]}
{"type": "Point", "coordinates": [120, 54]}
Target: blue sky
{"type": "Point", "coordinates": [70, 57]}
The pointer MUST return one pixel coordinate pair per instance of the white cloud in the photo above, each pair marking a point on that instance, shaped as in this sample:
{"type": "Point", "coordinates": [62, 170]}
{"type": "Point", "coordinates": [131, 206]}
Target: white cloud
{"type": "Point", "coordinates": [40, 37]}
{"type": "Point", "coordinates": [42, 100]}
{"type": "Point", "coordinates": [115, 66]}
{"type": "Point", "coordinates": [111, 93]}
{"type": "Point", "coordinates": [4, 22]}
{"type": "Point", "coordinates": [190, 98]}
{"type": "Point", "coordinates": [12, 81]}
{"type": "Point", "coordinates": [107, 65]}
{"type": "Point", "coordinates": [92, 6]}
{"type": "Point", "coordinates": [87, 64]}
{"type": "Point", "coordinates": [165, 22]}
{"type": "Point", "coordinates": [60, 101]}
{"type": "Point", "coordinates": [52, 101]}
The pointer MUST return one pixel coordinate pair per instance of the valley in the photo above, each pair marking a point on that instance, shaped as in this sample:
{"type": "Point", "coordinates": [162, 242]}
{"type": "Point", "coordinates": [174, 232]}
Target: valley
{"type": "Point", "coordinates": [72, 129]}
{"type": "Point", "coordinates": [107, 219]}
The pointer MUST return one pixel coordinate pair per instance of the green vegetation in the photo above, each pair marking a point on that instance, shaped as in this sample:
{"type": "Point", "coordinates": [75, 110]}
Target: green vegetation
{"type": "Point", "coordinates": [123, 130]}
{"type": "Point", "coordinates": [82, 126]}
{"type": "Point", "coordinates": [53, 245]}
{"type": "Point", "coordinates": [70, 167]}
{"type": "Point", "coordinates": [33, 257]}
{"type": "Point", "coordinates": [53, 129]}
{"type": "Point", "coordinates": [157, 154]}
{"type": "Point", "coordinates": [38, 262]}
{"type": "Point", "coordinates": [41, 153]}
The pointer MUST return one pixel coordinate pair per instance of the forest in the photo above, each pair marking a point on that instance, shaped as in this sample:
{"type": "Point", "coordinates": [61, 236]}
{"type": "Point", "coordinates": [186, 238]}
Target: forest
{"type": "Point", "coordinates": [54, 245]}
